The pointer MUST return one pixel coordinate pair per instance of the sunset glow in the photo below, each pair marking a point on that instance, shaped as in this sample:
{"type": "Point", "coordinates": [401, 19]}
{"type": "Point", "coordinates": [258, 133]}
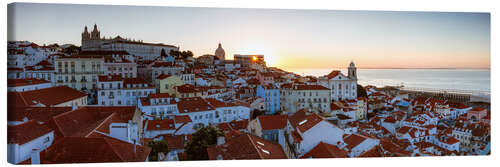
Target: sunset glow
{"type": "Point", "coordinates": [288, 39]}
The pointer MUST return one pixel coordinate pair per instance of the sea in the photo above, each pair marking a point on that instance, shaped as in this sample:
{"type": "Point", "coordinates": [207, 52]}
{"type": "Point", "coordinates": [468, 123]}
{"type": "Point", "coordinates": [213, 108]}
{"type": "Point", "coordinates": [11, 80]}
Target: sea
{"type": "Point", "coordinates": [458, 79]}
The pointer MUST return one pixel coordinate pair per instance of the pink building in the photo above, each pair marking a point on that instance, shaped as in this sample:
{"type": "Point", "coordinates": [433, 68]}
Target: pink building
{"type": "Point", "coordinates": [477, 114]}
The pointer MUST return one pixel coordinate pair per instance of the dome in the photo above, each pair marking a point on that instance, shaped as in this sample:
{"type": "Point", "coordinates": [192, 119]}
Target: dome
{"type": "Point", "coordinates": [219, 52]}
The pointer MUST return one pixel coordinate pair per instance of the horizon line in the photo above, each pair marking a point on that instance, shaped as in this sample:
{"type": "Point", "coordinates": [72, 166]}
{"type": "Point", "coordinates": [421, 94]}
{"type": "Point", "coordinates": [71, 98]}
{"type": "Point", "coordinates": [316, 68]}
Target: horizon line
{"type": "Point", "coordinates": [381, 68]}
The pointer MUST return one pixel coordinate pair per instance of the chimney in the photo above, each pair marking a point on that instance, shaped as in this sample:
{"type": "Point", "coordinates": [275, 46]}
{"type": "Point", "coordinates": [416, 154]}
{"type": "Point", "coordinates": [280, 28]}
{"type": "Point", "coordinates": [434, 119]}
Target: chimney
{"type": "Point", "coordinates": [35, 156]}
{"type": "Point", "coordinates": [220, 140]}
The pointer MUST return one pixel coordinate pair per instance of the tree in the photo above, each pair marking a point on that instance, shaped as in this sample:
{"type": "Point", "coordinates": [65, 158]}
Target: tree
{"type": "Point", "coordinates": [361, 91]}
{"type": "Point", "coordinates": [72, 50]}
{"type": "Point", "coordinates": [181, 54]}
{"type": "Point", "coordinates": [196, 149]}
{"type": "Point", "coordinates": [186, 54]}
{"type": "Point", "coordinates": [159, 146]}
{"type": "Point", "coordinates": [175, 54]}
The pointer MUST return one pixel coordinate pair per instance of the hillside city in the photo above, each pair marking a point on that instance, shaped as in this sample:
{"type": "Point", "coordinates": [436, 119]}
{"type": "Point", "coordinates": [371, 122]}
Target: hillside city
{"type": "Point", "coordinates": [124, 100]}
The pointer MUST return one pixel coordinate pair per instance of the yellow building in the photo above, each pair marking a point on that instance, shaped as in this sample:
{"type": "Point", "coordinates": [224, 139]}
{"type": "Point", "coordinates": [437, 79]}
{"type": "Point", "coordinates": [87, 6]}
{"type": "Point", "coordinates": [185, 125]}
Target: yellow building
{"type": "Point", "coordinates": [167, 83]}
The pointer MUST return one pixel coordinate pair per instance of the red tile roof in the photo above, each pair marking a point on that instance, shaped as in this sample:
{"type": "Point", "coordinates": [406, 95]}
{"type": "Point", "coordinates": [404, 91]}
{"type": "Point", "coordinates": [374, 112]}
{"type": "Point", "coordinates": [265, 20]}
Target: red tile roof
{"type": "Point", "coordinates": [324, 150]}
{"type": "Point", "coordinates": [233, 125]}
{"type": "Point", "coordinates": [193, 104]}
{"type": "Point", "coordinates": [404, 129]}
{"type": "Point", "coordinates": [246, 146]}
{"type": "Point", "coordinates": [93, 150]}
{"type": "Point", "coordinates": [78, 122]}
{"type": "Point", "coordinates": [353, 140]}
{"type": "Point", "coordinates": [144, 43]}
{"type": "Point", "coordinates": [182, 119]}
{"type": "Point", "coordinates": [334, 106]}
{"type": "Point", "coordinates": [25, 82]}
{"type": "Point", "coordinates": [40, 114]}
{"type": "Point", "coordinates": [390, 120]}
{"type": "Point", "coordinates": [104, 52]}
{"type": "Point", "coordinates": [15, 69]}
{"type": "Point", "coordinates": [216, 103]}
{"type": "Point", "coordinates": [332, 74]}
{"type": "Point", "coordinates": [26, 132]}
{"type": "Point", "coordinates": [165, 124]}
{"type": "Point", "coordinates": [269, 122]}
{"type": "Point", "coordinates": [163, 76]}
{"type": "Point", "coordinates": [83, 121]}
{"type": "Point", "coordinates": [373, 152]}
{"type": "Point", "coordinates": [303, 120]}
{"type": "Point", "coordinates": [159, 95]}
{"type": "Point", "coordinates": [252, 81]}
{"type": "Point", "coordinates": [48, 96]}
{"type": "Point", "coordinates": [174, 142]}
{"type": "Point", "coordinates": [188, 88]}
{"type": "Point", "coordinates": [310, 87]}
{"type": "Point", "coordinates": [110, 78]}
{"type": "Point", "coordinates": [477, 109]}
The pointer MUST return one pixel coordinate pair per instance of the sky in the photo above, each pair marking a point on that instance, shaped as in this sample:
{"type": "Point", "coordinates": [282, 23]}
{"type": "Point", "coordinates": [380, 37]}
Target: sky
{"type": "Point", "coordinates": [288, 39]}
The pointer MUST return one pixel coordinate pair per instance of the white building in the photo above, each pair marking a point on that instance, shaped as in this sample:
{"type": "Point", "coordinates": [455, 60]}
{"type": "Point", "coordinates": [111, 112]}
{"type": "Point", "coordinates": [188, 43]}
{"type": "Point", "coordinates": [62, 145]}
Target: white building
{"type": "Point", "coordinates": [295, 97]}
{"type": "Point", "coordinates": [42, 70]}
{"type": "Point", "coordinates": [188, 78]}
{"type": "Point", "coordinates": [305, 130]}
{"type": "Point", "coordinates": [146, 51]}
{"type": "Point", "coordinates": [27, 84]}
{"type": "Point", "coordinates": [201, 111]}
{"type": "Point", "coordinates": [117, 91]}
{"type": "Point", "coordinates": [153, 128]}
{"type": "Point", "coordinates": [157, 106]}
{"type": "Point", "coordinates": [21, 55]}
{"type": "Point", "coordinates": [79, 72]}
{"type": "Point", "coordinates": [167, 68]}
{"type": "Point", "coordinates": [342, 87]}
{"type": "Point", "coordinates": [26, 140]}
{"type": "Point", "coordinates": [115, 62]}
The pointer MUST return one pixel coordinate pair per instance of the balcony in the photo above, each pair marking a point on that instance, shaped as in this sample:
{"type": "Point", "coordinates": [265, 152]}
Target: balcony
{"type": "Point", "coordinates": [60, 81]}
{"type": "Point", "coordinates": [73, 81]}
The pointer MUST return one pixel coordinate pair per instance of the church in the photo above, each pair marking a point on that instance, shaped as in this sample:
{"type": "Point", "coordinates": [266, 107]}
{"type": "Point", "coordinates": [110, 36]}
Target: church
{"type": "Point", "coordinates": [145, 51]}
{"type": "Point", "coordinates": [342, 87]}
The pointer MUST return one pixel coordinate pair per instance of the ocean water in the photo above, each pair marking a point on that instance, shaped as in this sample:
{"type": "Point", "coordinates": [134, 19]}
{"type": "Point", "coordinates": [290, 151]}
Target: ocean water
{"type": "Point", "coordinates": [461, 79]}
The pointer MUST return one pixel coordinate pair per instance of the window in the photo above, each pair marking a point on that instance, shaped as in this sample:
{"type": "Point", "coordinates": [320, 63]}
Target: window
{"type": "Point", "coordinates": [46, 140]}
